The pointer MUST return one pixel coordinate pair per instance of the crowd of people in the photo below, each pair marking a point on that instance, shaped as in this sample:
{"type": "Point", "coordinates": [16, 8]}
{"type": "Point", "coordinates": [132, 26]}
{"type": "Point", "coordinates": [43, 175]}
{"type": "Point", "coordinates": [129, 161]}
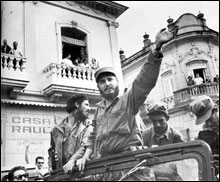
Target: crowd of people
{"type": "Point", "coordinates": [78, 62]}
{"type": "Point", "coordinates": [199, 80]}
{"type": "Point", "coordinates": [5, 48]}
{"type": "Point", "coordinates": [114, 128]}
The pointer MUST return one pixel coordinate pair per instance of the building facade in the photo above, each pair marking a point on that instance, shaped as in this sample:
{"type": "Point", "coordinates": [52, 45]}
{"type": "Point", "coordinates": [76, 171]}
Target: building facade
{"type": "Point", "coordinates": [36, 85]}
{"type": "Point", "coordinates": [194, 50]}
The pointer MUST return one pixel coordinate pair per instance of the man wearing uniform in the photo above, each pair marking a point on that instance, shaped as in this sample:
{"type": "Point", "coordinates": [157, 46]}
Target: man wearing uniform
{"type": "Point", "coordinates": [115, 126]}
{"type": "Point", "coordinates": [160, 133]}
{"type": "Point", "coordinates": [69, 139]}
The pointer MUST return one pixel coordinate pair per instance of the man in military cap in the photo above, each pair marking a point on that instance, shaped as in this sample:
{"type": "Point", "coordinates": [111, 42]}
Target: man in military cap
{"type": "Point", "coordinates": [160, 133]}
{"type": "Point", "coordinates": [115, 119]}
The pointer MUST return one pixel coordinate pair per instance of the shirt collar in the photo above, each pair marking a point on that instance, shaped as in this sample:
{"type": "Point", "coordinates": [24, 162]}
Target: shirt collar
{"type": "Point", "coordinates": [166, 134]}
{"type": "Point", "coordinates": [103, 101]}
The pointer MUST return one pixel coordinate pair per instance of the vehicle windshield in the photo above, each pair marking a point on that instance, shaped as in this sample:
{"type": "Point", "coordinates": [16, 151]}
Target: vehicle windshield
{"type": "Point", "coordinates": [180, 170]}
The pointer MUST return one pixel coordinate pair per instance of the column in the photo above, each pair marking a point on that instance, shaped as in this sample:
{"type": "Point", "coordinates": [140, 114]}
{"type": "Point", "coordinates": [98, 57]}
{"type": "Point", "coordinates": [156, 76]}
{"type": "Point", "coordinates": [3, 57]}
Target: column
{"type": "Point", "coordinates": [115, 52]}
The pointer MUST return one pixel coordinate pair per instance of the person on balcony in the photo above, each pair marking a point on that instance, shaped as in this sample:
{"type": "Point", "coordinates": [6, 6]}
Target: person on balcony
{"type": "Point", "coordinates": [76, 61]}
{"type": "Point", "coordinates": [94, 64]}
{"type": "Point", "coordinates": [208, 79]}
{"type": "Point", "coordinates": [81, 64]}
{"type": "Point", "coordinates": [67, 61]}
{"type": "Point", "coordinates": [69, 139]}
{"type": "Point", "coordinates": [198, 80]}
{"type": "Point", "coordinates": [190, 81]}
{"type": "Point", "coordinates": [160, 133]}
{"type": "Point", "coordinates": [216, 79]}
{"type": "Point", "coordinates": [15, 51]}
{"type": "Point", "coordinates": [5, 47]}
{"type": "Point", "coordinates": [85, 64]}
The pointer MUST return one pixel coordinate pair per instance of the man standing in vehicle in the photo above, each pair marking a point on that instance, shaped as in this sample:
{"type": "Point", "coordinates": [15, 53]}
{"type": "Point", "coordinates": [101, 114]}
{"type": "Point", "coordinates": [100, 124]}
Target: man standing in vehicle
{"type": "Point", "coordinates": [69, 139]}
{"type": "Point", "coordinates": [160, 133]}
{"type": "Point", "coordinates": [116, 127]}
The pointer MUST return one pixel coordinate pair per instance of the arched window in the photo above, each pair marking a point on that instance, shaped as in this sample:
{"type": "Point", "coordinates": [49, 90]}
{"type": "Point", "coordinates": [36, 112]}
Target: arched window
{"type": "Point", "coordinates": [74, 42]}
{"type": "Point", "coordinates": [72, 39]}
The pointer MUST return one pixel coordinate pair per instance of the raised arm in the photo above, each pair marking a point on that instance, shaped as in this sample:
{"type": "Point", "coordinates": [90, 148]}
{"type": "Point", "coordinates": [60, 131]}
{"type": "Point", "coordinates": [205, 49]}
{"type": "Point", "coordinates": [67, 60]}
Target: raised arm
{"type": "Point", "coordinates": [147, 77]}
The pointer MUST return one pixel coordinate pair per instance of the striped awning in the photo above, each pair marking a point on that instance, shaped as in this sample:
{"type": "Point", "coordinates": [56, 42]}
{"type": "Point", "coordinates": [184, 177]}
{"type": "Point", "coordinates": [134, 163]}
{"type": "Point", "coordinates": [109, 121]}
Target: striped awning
{"type": "Point", "coordinates": [32, 103]}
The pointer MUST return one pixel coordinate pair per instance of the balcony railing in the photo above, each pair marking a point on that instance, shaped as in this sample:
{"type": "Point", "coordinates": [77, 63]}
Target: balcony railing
{"type": "Point", "coordinates": [13, 70]}
{"type": "Point", "coordinates": [169, 101]}
{"type": "Point", "coordinates": [72, 79]}
{"type": "Point", "coordinates": [188, 93]}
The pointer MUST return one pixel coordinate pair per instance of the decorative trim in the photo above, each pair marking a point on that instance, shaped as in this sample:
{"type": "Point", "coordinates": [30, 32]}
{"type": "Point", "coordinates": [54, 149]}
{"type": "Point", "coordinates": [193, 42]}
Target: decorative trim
{"type": "Point", "coordinates": [113, 23]}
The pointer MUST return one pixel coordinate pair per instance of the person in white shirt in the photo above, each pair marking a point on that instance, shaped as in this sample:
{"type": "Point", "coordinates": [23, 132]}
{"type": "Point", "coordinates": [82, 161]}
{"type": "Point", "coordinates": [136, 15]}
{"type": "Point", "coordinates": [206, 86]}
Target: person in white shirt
{"type": "Point", "coordinates": [94, 65]}
{"type": "Point", "coordinates": [15, 51]}
{"type": "Point", "coordinates": [39, 162]}
{"type": "Point", "coordinates": [67, 61]}
{"type": "Point", "coordinates": [198, 80]}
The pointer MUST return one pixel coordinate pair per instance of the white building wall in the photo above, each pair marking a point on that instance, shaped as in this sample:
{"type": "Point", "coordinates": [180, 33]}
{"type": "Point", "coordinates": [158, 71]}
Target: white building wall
{"type": "Point", "coordinates": [34, 27]}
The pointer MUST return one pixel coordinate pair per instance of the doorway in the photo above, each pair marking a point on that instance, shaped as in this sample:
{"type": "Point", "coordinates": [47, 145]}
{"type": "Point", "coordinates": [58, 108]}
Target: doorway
{"type": "Point", "coordinates": [201, 72]}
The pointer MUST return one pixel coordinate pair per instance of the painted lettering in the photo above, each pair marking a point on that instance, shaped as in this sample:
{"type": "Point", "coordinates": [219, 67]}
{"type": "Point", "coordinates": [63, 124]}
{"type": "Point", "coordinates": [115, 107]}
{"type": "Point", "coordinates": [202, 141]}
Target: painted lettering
{"type": "Point", "coordinates": [27, 120]}
{"type": "Point", "coordinates": [36, 129]}
{"type": "Point", "coordinates": [27, 128]}
{"type": "Point", "coordinates": [16, 128]}
{"type": "Point", "coordinates": [46, 121]}
{"type": "Point", "coordinates": [36, 121]}
{"type": "Point", "coordinates": [46, 129]}
{"type": "Point", "coordinates": [16, 120]}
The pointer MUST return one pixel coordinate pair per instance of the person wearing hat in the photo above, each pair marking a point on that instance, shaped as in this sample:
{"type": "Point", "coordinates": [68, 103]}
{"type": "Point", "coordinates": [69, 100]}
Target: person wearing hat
{"type": "Point", "coordinates": [190, 81]}
{"type": "Point", "coordinates": [116, 128]}
{"type": "Point", "coordinates": [206, 112]}
{"type": "Point", "coordinates": [115, 125]}
{"type": "Point", "coordinates": [160, 133]}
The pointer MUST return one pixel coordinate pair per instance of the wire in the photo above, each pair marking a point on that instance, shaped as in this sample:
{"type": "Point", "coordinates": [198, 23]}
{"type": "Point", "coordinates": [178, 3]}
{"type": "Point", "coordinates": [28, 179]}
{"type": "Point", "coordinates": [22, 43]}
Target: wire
{"type": "Point", "coordinates": [135, 168]}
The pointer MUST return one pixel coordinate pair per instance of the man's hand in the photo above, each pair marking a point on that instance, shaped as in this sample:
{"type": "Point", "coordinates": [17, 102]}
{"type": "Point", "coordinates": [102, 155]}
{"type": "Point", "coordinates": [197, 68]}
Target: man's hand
{"type": "Point", "coordinates": [69, 165]}
{"type": "Point", "coordinates": [163, 36]}
{"type": "Point", "coordinates": [81, 163]}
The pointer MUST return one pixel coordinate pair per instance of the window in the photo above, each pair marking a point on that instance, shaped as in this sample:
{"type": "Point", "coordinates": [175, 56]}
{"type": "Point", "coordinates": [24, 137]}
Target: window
{"type": "Point", "coordinates": [168, 83]}
{"type": "Point", "coordinates": [74, 42]}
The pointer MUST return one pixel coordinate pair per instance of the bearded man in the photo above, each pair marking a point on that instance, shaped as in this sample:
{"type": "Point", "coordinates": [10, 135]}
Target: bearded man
{"type": "Point", "coordinates": [69, 138]}
{"type": "Point", "coordinates": [115, 126]}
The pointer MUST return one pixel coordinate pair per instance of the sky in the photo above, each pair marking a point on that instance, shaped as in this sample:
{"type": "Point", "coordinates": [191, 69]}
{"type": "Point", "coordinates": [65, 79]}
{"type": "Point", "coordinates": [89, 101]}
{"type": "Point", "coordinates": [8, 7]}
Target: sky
{"type": "Point", "coordinates": [151, 16]}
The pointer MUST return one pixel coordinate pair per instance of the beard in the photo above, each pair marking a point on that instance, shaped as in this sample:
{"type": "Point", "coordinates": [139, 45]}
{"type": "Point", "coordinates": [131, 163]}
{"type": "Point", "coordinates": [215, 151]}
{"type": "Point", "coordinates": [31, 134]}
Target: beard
{"type": "Point", "coordinates": [161, 129]}
{"type": "Point", "coordinates": [110, 96]}
{"type": "Point", "coordinates": [80, 116]}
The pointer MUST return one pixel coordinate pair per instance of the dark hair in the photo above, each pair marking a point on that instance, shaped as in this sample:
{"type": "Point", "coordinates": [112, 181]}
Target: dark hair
{"type": "Point", "coordinates": [16, 168]}
{"type": "Point", "coordinates": [71, 103]}
{"type": "Point", "coordinates": [38, 157]}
